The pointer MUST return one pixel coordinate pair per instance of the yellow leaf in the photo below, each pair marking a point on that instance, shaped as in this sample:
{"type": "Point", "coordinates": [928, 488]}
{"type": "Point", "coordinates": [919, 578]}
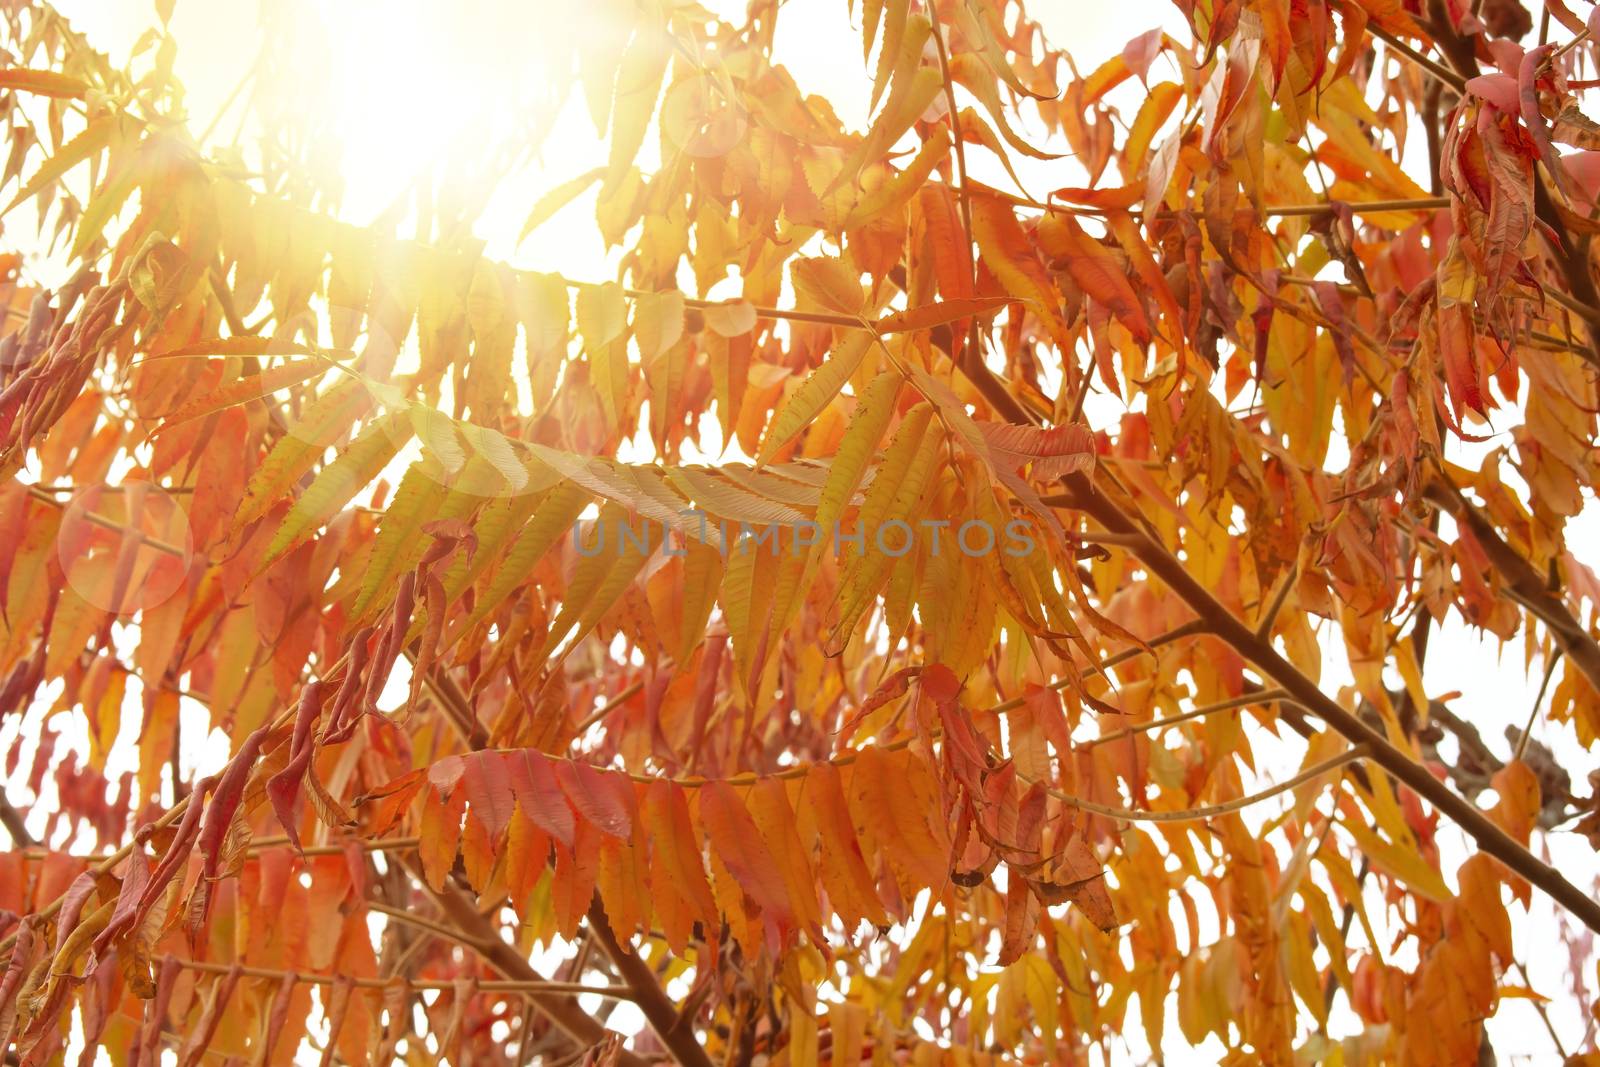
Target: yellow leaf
{"type": "Point", "coordinates": [735, 318]}
{"type": "Point", "coordinates": [827, 282]}
{"type": "Point", "coordinates": [337, 483]}
{"type": "Point", "coordinates": [802, 406]}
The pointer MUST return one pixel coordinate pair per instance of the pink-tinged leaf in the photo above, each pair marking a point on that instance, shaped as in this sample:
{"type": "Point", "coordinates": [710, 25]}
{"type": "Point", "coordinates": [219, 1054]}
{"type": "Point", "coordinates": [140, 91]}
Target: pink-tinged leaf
{"type": "Point", "coordinates": [734, 835]}
{"type": "Point", "coordinates": [243, 390]}
{"type": "Point", "coordinates": [489, 790]}
{"type": "Point", "coordinates": [11, 978]}
{"type": "Point", "coordinates": [390, 801]}
{"type": "Point", "coordinates": [1584, 169]}
{"type": "Point", "coordinates": [1044, 705]}
{"type": "Point", "coordinates": [1498, 90]}
{"type": "Point", "coordinates": [277, 1015]}
{"type": "Point", "coordinates": [283, 789]}
{"type": "Point", "coordinates": [1528, 100]}
{"type": "Point", "coordinates": [225, 801]}
{"type": "Point", "coordinates": [1507, 54]}
{"type": "Point", "coordinates": [1332, 305]}
{"type": "Point", "coordinates": [1140, 52]}
{"type": "Point", "coordinates": [1053, 451]}
{"type": "Point", "coordinates": [135, 876]}
{"type": "Point", "coordinates": [177, 853]}
{"type": "Point", "coordinates": [445, 773]}
{"type": "Point", "coordinates": [1096, 270]}
{"type": "Point", "coordinates": [963, 751]}
{"type": "Point", "coordinates": [940, 684]}
{"type": "Point", "coordinates": [1077, 876]}
{"type": "Point", "coordinates": [539, 794]}
{"type": "Point", "coordinates": [891, 688]}
{"type": "Point", "coordinates": [72, 907]}
{"type": "Point", "coordinates": [597, 797]}
{"type": "Point", "coordinates": [1456, 351]}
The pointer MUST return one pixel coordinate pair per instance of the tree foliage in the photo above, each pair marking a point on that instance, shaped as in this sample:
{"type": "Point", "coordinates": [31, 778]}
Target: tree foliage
{"type": "Point", "coordinates": [516, 662]}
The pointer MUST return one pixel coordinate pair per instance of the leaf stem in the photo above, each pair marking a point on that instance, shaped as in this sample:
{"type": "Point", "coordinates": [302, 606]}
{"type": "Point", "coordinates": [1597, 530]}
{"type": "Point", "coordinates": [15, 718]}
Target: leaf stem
{"type": "Point", "coordinates": [614, 992]}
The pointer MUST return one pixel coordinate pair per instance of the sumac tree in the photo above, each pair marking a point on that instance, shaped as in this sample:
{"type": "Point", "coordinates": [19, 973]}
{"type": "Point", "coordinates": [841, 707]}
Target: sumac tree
{"type": "Point", "coordinates": [883, 621]}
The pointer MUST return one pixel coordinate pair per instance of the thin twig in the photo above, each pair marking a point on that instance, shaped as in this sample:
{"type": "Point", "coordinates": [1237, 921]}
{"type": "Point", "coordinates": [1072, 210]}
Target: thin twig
{"type": "Point", "coordinates": [112, 524]}
{"type": "Point", "coordinates": [1544, 1016]}
{"type": "Point", "coordinates": [1443, 73]}
{"type": "Point", "coordinates": [1211, 811]}
{"type": "Point", "coordinates": [483, 986]}
{"type": "Point", "coordinates": [413, 919]}
{"type": "Point", "coordinates": [1533, 713]}
{"type": "Point", "coordinates": [1265, 696]}
{"type": "Point", "coordinates": [609, 706]}
{"type": "Point", "coordinates": [1270, 616]}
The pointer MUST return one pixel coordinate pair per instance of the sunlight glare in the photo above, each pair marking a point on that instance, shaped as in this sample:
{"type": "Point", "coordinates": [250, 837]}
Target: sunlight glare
{"type": "Point", "coordinates": [409, 91]}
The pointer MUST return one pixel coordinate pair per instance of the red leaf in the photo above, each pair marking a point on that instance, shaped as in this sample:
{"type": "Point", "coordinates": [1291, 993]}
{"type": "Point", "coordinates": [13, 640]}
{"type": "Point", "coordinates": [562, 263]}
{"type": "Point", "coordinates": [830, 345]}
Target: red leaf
{"type": "Point", "coordinates": [604, 799]}
{"type": "Point", "coordinates": [489, 790]}
{"type": "Point", "coordinates": [1096, 270]}
{"type": "Point", "coordinates": [225, 801]}
{"type": "Point", "coordinates": [539, 794]}
{"type": "Point", "coordinates": [391, 800]}
{"type": "Point", "coordinates": [1054, 451]}
{"type": "Point", "coordinates": [283, 789]}
{"type": "Point", "coordinates": [738, 842]}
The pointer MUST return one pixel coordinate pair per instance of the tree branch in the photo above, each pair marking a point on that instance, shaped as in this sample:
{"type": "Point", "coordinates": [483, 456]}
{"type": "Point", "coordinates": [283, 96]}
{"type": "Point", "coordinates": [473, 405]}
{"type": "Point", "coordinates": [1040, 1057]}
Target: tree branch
{"type": "Point", "coordinates": [652, 999]}
{"type": "Point", "coordinates": [1488, 835]}
{"type": "Point", "coordinates": [562, 1011]}
{"type": "Point", "coordinates": [12, 820]}
{"type": "Point", "coordinates": [675, 1031]}
{"type": "Point", "coordinates": [1524, 583]}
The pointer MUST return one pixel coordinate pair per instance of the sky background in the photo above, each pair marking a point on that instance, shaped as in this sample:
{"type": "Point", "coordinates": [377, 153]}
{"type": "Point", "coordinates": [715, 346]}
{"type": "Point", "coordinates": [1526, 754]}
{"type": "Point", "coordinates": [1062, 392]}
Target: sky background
{"type": "Point", "coordinates": [407, 84]}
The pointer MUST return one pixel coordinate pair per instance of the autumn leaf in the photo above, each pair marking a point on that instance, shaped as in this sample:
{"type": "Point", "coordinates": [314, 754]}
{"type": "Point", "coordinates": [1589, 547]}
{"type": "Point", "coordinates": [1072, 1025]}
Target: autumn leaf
{"type": "Point", "coordinates": [691, 514]}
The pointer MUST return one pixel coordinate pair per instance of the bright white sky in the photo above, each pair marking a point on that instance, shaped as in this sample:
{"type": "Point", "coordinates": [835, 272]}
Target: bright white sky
{"type": "Point", "coordinates": [409, 83]}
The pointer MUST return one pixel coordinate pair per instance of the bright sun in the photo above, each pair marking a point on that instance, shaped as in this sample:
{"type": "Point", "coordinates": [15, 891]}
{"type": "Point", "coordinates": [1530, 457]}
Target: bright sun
{"type": "Point", "coordinates": [406, 91]}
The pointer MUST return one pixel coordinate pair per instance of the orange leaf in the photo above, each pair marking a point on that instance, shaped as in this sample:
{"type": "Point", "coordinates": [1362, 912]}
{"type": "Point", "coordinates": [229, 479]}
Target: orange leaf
{"type": "Point", "coordinates": [1095, 269]}
{"type": "Point", "coordinates": [851, 890]}
{"type": "Point", "coordinates": [738, 843]}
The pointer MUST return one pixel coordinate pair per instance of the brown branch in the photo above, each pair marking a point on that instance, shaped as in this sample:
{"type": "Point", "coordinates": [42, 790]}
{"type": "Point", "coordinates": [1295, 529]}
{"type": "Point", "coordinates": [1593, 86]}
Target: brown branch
{"type": "Point", "coordinates": [647, 991]}
{"type": "Point", "coordinates": [1524, 582]}
{"type": "Point", "coordinates": [490, 986]}
{"type": "Point", "coordinates": [1357, 207]}
{"type": "Point", "coordinates": [1443, 73]}
{"type": "Point", "coordinates": [112, 524]}
{"type": "Point", "coordinates": [562, 1011]}
{"type": "Point", "coordinates": [675, 1031]}
{"type": "Point", "coordinates": [12, 820]}
{"type": "Point", "coordinates": [452, 701]}
{"type": "Point", "coordinates": [1223, 624]}
{"type": "Point", "coordinates": [609, 706]}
